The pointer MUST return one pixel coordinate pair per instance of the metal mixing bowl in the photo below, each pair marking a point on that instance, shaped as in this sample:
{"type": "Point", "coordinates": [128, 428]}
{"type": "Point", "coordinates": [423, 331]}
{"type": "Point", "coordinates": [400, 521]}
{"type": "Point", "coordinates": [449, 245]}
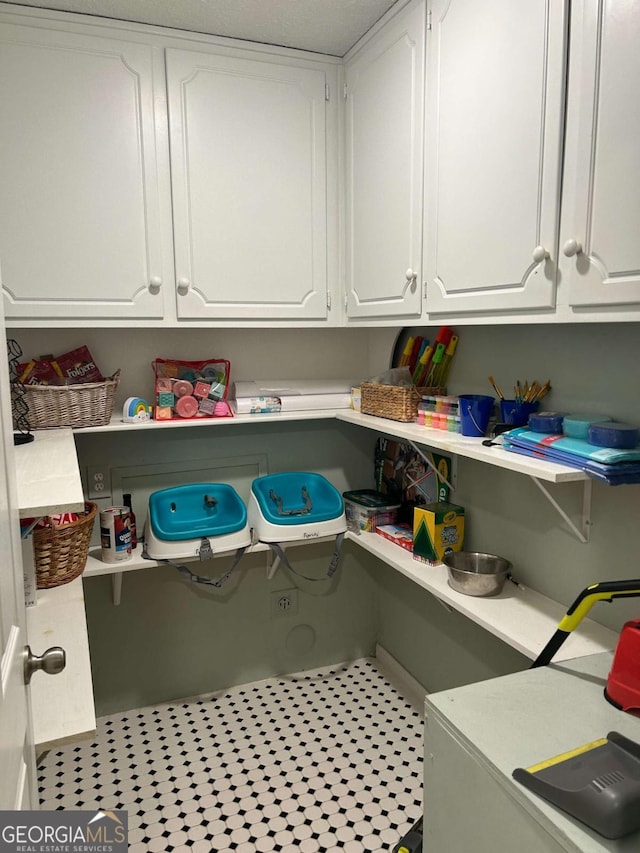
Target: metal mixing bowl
{"type": "Point", "coordinates": [473, 573]}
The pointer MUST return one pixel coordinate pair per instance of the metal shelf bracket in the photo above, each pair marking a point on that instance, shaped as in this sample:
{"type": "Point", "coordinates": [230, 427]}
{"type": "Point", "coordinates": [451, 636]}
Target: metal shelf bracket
{"type": "Point", "coordinates": [583, 532]}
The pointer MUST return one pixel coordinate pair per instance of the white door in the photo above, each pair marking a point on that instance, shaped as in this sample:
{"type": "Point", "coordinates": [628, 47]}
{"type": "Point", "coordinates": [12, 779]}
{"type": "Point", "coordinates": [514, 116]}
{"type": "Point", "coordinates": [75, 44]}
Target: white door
{"type": "Point", "coordinates": [80, 232]}
{"type": "Point", "coordinates": [17, 780]}
{"type": "Point", "coordinates": [601, 204]}
{"type": "Point", "coordinates": [495, 83]}
{"type": "Point", "coordinates": [248, 174]}
{"type": "Point", "coordinates": [384, 155]}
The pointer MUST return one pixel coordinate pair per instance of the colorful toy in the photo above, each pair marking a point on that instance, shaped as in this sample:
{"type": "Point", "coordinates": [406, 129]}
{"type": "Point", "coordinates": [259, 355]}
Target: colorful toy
{"type": "Point", "coordinates": [135, 410]}
{"type": "Point", "coordinates": [191, 389]}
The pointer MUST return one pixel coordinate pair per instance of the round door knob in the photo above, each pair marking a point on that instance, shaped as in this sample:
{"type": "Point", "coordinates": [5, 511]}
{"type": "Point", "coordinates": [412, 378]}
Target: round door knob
{"type": "Point", "coordinates": [155, 283]}
{"type": "Point", "coordinates": [52, 662]}
{"type": "Point", "coordinates": [183, 286]}
{"type": "Point", "coordinates": [410, 275]}
{"type": "Point", "coordinates": [571, 248]}
{"type": "Point", "coordinates": [540, 254]}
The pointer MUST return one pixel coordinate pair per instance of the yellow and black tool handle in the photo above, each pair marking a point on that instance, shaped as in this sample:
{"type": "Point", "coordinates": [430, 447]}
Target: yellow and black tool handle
{"type": "Point", "coordinates": [606, 591]}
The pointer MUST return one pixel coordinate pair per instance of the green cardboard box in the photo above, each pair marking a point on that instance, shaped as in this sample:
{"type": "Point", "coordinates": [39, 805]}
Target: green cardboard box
{"type": "Point", "coordinates": [438, 528]}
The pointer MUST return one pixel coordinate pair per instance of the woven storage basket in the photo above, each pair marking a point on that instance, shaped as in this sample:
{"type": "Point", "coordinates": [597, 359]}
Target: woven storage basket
{"type": "Point", "coordinates": [61, 550]}
{"type": "Point", "coordinates": [395, 402]}
{"type": "Point", "coordinates": [84, 405]}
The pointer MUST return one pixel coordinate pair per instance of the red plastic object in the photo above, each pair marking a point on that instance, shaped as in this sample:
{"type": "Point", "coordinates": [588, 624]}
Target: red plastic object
{"type": "Point", "coordinates": [623, 683]}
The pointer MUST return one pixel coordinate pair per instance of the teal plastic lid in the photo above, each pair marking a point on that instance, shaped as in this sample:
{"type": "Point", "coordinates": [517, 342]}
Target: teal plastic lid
{"type": "Point", "coordinates": [577, 426]}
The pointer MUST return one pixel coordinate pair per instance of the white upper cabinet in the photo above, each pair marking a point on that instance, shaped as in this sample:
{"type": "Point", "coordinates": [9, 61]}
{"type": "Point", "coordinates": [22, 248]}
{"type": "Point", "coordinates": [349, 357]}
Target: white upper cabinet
{"type": "Point", "coordinates": [600, 228]}
{"type": "Point", "coordinates": [495, 89]}
{"type": "Point", "coordinates": [384, 153]}
{"type": "Point", "coordinates": [248, 171]}
{"type": "Point", "coordinates": [80, 212]}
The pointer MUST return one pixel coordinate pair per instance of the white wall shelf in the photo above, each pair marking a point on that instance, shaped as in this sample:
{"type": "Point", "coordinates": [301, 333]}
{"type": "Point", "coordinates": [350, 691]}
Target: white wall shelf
{"type": "Point", "coordinates": [471, 448]}
{"type": "Point", "coordinates": [520, 617]}
{"type": "Point", "coordinates": [62, 705]}
{"type": "Point", "coordinates": [118, 425]}
{"type": "Point", "coordinates": [95, 567]}
{"type": "Point", "coordinates": [48, 474]}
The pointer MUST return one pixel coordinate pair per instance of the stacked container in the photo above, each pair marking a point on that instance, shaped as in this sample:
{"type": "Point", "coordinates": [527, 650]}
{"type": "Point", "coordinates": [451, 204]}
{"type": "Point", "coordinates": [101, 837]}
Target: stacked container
{"type": "Point", "coordinates": [439, 413]}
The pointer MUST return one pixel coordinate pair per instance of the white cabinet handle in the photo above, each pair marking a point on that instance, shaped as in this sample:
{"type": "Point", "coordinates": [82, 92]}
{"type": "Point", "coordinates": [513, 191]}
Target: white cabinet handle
{"type": "Point", "coordinates": [540, 254]}
{"type": "Point", "coordinates": [183, 286]}
{"type": "Point", "coordinates": [155, 283]}
{"type": "Point", "coordinates": [571, 248]}
{"type": "Point", "coordinates": [410, 275]}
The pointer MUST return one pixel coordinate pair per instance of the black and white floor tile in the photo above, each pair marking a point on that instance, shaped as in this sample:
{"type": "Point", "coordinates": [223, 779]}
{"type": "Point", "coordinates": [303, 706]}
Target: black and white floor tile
{"type": "Point", "coordinates": [326, 760]}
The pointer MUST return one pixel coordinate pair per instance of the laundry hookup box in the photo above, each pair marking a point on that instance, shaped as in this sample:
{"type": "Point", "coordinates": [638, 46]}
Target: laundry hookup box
{"type": "Point", "coordinates": [438, 529]}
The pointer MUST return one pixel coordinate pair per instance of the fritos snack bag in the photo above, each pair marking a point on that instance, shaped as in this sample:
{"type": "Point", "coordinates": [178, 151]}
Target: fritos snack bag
{"type": "Point", "coordinates": [78, 366]}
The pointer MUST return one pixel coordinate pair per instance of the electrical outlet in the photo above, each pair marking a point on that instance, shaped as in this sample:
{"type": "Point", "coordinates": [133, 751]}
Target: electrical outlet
{"type": "Point", "coordinates": [284, 602]}
{"type": "Point", "coordinates": [98, 482]}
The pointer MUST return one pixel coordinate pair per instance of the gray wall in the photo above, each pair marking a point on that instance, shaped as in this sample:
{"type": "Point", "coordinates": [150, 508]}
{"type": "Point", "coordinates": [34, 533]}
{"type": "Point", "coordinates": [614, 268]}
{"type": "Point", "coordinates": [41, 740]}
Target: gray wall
{"type": "Point", "coordinates": [167, 640]}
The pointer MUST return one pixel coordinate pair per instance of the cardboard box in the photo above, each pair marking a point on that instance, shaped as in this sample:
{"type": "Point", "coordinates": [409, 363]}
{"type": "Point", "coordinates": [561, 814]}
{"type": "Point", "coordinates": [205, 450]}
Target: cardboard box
{"type": "Point", "coordinates": [438, 528]}
{"type": "Point", "coordinates": [399, 534]}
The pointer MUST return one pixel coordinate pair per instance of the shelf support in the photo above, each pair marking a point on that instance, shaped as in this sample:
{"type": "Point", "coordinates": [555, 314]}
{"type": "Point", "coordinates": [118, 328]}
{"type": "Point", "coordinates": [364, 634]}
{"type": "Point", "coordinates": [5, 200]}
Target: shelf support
{"type": "Point", "coordinates": [273, 561]}
{"type": "Point", "coordinates": [116, 587]}
{"type": "Point", "coordinates": [583, 532]}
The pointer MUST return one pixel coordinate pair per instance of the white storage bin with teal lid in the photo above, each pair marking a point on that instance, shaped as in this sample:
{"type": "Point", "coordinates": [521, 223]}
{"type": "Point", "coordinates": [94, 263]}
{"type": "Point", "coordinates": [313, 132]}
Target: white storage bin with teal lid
{"type": "Point", "coordinates": [293, 507]}
{"type": "Point", "coordinates": [196, 521]}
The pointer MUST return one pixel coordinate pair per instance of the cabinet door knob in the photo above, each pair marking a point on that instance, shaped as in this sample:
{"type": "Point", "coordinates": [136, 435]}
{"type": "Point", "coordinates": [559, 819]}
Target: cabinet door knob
{"type": "Point", "coordinates": [540, 254]}
{"type": "Point", "coordinates": [155, 283]}
{"type": "Point", "coordinates": [183, 286]}
{"type": "Point", "coordinates": [410, 275]}
{"type": "Point", "coordinates": [571, 248]}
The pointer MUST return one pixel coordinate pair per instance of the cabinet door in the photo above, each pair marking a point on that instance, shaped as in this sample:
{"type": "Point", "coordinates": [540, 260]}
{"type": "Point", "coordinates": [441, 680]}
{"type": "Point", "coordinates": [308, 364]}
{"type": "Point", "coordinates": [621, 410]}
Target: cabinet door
{"type": "Point", "coordinates": [601, 207]}
{"type": "Point", "coordinates": [384, 138]}
{"type": "Point", "coordinates": [494, 135]}
{"type": "Point", "coordinates": [248, 174]}
{"type": "Point", "coordinates": [79, 207]}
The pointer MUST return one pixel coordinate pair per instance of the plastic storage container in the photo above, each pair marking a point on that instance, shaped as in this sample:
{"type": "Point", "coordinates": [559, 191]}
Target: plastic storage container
{"type": "Point", "coordinates": [366, 509]}
{"type": "Point", "coordinates": [577, 426]}
{"type": "Point", "coordinates": [547, 422]}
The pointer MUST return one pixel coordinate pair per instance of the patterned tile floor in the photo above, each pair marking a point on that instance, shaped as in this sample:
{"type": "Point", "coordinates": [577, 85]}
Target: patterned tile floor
{"type": "Point", "coordinates": [326, 760]}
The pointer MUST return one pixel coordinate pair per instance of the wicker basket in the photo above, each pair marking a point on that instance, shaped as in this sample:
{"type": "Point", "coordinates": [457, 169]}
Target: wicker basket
{"type": "Point", "coordinates": [84, 405]}
{"type": "Point", "coordinates": [61, 550]}
{"type": "Point", "coordinates": [395, 402]}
